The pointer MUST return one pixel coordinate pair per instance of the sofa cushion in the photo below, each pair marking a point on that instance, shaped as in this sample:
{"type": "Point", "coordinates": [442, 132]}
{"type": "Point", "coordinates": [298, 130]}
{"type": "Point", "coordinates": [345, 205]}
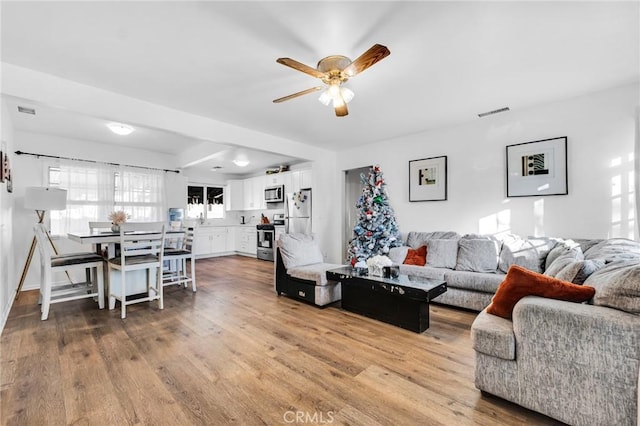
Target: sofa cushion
{"type": "Point", "coordinates": [299, 250]}
{"type": "Point", "coordinates": [477, 281]}
{"type": "Point", "coordinates": [567, 258]}
{"type": "Point", "coordinates": [529, 253]}
{"type": "Point", "coordinates": [577, 272]}
{"type": "Point", "coordinates": [562, 247]}
{"type": "Point", "coordinates": [477, 255]}
{"type": "Point", "coordinates": [442, 253]}
{"type": "Point", "coordinates": [416, 257]}
{"type": "Point", "coordinates": [417, 239]}
{"type": "Point", "coordinates": [398, 254]}
{"type": "Point", "coordinates": [615, 249]}
{"type": "Point", "coordinates": [315, 272]}
{"type": "Point", "coordinates": [521, 282]}
{"type": "Point", "coordinates": [617, 286]}
{"type": "Point", "coordinates": [493, 336]}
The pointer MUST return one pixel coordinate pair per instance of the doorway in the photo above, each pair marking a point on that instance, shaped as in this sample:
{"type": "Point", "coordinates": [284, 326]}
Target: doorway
{"type": "Point", "coordinates": [352, 191]}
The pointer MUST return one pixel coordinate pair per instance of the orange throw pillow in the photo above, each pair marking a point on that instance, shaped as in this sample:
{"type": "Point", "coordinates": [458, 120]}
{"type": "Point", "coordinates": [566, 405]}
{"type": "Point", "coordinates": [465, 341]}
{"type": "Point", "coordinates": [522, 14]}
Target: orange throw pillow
{"type": "Point", "coordinates": [521, 282]}
{"type": "Point", "coordinates": [416, 257]}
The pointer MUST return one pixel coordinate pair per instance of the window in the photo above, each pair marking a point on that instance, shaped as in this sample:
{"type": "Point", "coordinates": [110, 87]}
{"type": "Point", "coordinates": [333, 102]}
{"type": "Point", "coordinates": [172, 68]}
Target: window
{"type": "Point", "coordinates": [94, 191]}
{"type": "Point", "coordinates": [196, 207]}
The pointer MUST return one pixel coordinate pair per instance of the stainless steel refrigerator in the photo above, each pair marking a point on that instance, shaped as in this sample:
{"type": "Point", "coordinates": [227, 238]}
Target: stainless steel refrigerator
{"type": "Point", "coordinates": [297, 210]}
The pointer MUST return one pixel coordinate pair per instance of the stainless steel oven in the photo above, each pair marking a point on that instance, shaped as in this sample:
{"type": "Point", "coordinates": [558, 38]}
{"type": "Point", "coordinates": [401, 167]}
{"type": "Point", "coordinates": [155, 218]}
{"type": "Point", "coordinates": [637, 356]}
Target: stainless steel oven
{"type": "Point", "coordinates": [266, 237]}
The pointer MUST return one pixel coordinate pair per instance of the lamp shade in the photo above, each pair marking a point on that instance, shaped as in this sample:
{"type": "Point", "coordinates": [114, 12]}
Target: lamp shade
{"type": "Point", "coordinates": [36, 198]}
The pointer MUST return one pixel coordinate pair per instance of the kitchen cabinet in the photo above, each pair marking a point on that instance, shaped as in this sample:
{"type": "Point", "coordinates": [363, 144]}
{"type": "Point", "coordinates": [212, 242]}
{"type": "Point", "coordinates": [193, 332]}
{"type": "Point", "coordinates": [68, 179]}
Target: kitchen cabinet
{"type": "Point", "coordinates": [234, 195]}
{"type": "Point", "coordinates": [254, 193]}
{"type": "Point", "coordinates": [275, 179]}
{"type": "Point", "coordinates": [211, 241]}
{"type": "Point", "coordinates": [300, 179]}
{"type": "Point", "coordinates": [246, 240]}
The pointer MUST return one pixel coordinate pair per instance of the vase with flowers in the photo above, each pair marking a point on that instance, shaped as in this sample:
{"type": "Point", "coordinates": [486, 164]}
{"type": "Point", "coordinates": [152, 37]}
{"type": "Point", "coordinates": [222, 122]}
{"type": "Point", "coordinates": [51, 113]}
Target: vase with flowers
{"type": "Point", "coordinates": [117, 218]}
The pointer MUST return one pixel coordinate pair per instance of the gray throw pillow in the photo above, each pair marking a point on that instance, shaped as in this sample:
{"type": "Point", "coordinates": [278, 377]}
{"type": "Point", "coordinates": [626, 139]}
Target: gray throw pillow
{"type": "Point", "coordinates": [615, 249]}
{"type": "Point", "coordinates": [299, 250]}
{"type": "Point", "coordinates": [577, 272]}
{"type": "Point", "coordinates": [418, 239]}
{"type": "Point", "coordinates": [564, 261]}
{"type": "Point", "coordinates": [442, 253]}
{"type": "Point", "coordinates": [617, 286]}
{"type": "Point", "coordinates": [562, 247]}
{"type": "Point", "coordinates": [398, 254]}
{"type": "Point", "coordinates": [528, 253]}
{"type": "Point", "coordinates": [477, 255]}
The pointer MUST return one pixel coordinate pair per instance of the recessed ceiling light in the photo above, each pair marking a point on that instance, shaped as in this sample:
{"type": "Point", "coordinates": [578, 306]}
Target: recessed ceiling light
{"type": "Point", "coordinates": [120, 129]}
{"type": "Point", "coordinates": [241, 163]}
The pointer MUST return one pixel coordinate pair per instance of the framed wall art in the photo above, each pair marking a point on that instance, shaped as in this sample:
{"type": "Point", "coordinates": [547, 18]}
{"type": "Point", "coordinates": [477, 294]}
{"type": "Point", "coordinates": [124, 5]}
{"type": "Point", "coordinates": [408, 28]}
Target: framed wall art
{"type": "Point", "coordinates": [537, 168]}
{"type": "Point", "coordinates": [428, 179]}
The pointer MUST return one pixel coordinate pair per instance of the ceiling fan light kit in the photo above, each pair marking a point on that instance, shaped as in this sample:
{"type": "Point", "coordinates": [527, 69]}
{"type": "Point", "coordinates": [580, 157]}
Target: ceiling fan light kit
{"type": "Point", "coordinates": [333, 71]}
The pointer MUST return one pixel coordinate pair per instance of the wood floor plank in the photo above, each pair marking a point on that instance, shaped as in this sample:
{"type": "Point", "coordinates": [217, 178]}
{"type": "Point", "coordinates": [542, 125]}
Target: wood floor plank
{"type": "Point", "coordinates": [236, 353]}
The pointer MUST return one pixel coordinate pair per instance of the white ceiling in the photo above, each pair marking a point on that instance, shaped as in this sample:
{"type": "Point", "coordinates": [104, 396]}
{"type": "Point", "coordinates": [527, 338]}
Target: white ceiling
{"type": "Point", "coordinates": [449, 60]}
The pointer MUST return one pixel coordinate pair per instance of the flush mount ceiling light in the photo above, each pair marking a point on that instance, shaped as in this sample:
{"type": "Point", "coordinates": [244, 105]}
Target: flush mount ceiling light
{"type": "Point", "coordinates": [334, 71]}
{"type": "Point", "coordinates": [120, 129]}
{"type": "Point", "coordinates": [241, 163]}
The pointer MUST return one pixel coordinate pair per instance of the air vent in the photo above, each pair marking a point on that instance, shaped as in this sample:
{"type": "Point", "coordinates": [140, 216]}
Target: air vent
{"type": "Point", "coordinates": [495, 111]}
{"type": "Point", "coordinates": [216, 168]}
{"type": "Point", "coordinates": [26, 110]}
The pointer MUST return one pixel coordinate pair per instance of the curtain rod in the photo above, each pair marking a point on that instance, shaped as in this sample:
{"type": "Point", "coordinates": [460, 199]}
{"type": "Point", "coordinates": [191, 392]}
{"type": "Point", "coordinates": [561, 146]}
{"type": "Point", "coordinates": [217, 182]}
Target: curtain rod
{"type": "Point", "coordinates": [93, 161]}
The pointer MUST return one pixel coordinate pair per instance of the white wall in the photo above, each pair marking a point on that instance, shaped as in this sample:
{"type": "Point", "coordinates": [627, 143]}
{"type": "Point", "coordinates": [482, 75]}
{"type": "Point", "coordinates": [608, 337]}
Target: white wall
{"type": "Point", "coordinates": [600, 131]}
{"type": "Point", "coordinates": [8, 281]}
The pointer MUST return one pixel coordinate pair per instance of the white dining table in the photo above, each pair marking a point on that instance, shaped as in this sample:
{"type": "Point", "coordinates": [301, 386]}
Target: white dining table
{"type": "Point", "coordinates": [138, 284]}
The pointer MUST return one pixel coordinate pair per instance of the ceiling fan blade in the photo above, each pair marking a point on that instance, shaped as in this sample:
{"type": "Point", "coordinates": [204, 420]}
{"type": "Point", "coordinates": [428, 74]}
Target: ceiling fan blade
{"type": "Point", "coordinates": [295, 95]}
{"type": "Point", "coordinates": [300, 67]}
{"type": "Point", "coordinates": [341, 110]}
{"type": "Point", "coordinates": [375, 54]}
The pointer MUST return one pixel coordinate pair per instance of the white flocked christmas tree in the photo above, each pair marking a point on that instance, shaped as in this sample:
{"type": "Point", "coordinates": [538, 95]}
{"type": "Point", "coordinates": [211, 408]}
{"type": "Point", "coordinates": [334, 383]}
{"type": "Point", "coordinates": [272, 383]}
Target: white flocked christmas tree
{"type": "Point", "coordinates": [376, 231]}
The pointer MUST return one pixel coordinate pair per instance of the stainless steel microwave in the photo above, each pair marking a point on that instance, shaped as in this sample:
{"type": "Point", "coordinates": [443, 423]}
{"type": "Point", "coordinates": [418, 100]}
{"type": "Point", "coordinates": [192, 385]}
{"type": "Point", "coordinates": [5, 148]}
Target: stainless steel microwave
{"type": "Point", "coordinates": [274, 194]}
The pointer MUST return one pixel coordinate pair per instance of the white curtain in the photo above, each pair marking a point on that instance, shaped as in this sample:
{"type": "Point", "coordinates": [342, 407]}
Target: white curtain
{"type": "Point", "coordinates": [95, 190]}
{"type": "Point", "coordinates": [90, 191]}
{"type": "Point", "coordinates": [141, 194]}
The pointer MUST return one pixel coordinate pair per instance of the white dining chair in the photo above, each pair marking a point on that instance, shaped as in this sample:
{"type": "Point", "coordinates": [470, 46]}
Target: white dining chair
{"type": "Point", "coordinates": [63, 291]}
{"type": "Point", "coordinates": [99, 226]}
{"type": "Point", "coordinates": [177, 257]}
{"type": "Point", "coordinates": [141, 248]}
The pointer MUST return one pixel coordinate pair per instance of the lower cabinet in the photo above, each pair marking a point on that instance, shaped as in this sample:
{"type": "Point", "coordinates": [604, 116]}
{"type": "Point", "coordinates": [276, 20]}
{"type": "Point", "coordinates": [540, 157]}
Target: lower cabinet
{"type": "Point", "coordinates": [247, 240]}
{"type": "Point", "coordinates": [222, 240]}
{"type": "Point", "coordinates": [211, 241]}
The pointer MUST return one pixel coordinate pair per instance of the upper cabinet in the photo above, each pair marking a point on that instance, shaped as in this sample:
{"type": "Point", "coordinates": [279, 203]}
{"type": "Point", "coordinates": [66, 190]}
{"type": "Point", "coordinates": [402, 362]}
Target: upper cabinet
{"type": "Point", "coordinates": [248, 194]}
{"type": "Point", "coordinates": [254, 193]}
{"type": "Point", "coordinates": [300, 179]}
{"type": "Point", "coordinates": [235, 195]}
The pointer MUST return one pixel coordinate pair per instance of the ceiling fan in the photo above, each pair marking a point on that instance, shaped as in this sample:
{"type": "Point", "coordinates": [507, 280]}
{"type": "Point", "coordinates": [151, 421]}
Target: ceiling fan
{"type": "Point", "coordinates": [333, 71]}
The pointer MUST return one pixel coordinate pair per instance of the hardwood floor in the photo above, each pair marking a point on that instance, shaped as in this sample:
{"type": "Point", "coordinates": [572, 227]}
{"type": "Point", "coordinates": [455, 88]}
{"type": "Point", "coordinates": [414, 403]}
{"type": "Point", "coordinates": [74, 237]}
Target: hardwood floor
{"type": "Point", "coordinates": [234, 352]}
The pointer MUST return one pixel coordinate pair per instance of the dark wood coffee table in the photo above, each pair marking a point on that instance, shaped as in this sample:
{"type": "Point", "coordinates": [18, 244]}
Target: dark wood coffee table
{"type": "Point", "coordinates": [402, 301]}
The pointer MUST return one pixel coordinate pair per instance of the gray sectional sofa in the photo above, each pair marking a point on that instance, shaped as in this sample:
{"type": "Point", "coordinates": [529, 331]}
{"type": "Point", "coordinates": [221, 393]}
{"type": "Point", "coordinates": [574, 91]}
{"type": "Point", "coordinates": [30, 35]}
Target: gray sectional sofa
{"type": "Point", "coordinates": [472, 265]}
{"type": "Point", "coordinates": [577, 363]}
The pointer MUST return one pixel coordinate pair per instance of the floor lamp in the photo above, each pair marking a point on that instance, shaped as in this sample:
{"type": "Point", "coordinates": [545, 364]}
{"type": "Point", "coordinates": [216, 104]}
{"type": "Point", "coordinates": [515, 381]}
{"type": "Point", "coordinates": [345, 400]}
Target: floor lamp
{"type": "Point", "coordinates": [41, 200]}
